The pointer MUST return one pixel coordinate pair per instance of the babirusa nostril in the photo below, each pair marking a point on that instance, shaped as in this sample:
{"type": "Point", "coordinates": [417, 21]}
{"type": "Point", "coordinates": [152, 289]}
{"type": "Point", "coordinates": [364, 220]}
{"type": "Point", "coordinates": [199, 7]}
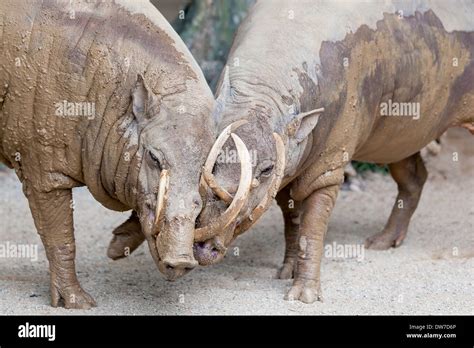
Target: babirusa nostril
{"type": "Point", "coordinates": [180, 264]}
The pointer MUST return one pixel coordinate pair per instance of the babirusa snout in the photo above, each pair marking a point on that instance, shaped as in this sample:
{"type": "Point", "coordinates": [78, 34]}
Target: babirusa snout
{"type": "Point", "coordinates": [175, 247]}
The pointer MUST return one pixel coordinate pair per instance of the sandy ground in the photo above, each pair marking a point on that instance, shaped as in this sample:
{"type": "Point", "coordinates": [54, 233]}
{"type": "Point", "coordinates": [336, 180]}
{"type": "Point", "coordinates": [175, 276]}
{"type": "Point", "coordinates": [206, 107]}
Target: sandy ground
{"type": "Point", "coordinates": [431, 273]}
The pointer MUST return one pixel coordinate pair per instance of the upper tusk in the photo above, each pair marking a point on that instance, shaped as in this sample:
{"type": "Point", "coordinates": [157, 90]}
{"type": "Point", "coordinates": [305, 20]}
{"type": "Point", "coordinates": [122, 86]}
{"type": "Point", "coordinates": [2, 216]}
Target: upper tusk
{"type": "Point", "coordinates": [277, 178]}
{"type": "Point", "coordinates": [211, 230]}
{"type": "Point", "coordinates": [216, 188]}
{"type": "Point", "coordinates": [162, 195]}
{"type": "Point", "coordinates": [311, 112]}
{"type": "Point", "coordinates": [212, 158]}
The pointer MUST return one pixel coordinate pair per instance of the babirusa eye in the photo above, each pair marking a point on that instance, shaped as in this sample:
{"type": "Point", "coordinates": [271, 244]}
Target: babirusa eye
{"type": "Point", "coordinates": [155, 159]}
{"type": "Point", "coordinates": [267, 171]}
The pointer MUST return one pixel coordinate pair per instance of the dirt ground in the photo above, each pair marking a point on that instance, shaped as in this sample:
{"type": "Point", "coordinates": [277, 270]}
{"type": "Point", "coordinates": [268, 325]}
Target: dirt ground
{"type": "Point", "coordinates": [431, 273]}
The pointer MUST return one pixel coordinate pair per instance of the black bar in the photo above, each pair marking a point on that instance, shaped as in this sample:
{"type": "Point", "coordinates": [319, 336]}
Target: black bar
{"type": "Point", "coordinates": [209, 330]}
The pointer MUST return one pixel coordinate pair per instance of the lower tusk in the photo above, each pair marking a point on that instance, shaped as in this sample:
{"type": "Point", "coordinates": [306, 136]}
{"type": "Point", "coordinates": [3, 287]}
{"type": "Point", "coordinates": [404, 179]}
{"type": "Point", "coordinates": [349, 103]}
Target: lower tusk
{"type": "Point", "coordinates": [152, 246]}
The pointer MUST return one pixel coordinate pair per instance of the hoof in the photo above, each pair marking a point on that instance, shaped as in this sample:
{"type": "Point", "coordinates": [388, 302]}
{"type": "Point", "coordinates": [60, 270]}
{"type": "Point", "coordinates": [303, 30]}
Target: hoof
{"type": "Point", "coordinates": [307, 291]}
{"type": "Point", "coordinates": [73, 297]}
{"type": "Point", "coordinates": [286, 271]}
{"type": "Point", "coordinates": [384, 241]}
{"type": "Point", "coordinates": [127, 237]}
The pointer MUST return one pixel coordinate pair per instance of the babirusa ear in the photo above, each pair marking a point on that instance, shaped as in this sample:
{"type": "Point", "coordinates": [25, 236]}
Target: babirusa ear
{"type": "Point", "coordinates": [223, 92]}
{"type": "Point", "coordinates": [140, 99]}
{"type": "Point", "coordinates": [304, 123]}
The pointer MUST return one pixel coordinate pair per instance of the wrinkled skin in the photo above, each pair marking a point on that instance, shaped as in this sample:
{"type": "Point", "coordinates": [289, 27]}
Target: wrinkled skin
{"type": "Point", "coordinates": [152, 107]}
{"type": "Point", "coordinates": [269, 85]}
{"type": "Point", "coordinates": [316, 154]}
{"type": "Point", "coordinates": [174, 233]}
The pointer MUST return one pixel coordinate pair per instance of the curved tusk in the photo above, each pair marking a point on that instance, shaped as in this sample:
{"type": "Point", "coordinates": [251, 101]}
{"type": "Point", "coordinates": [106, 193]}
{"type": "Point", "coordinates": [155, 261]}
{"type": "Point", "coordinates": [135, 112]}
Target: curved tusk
{"type": "Point", "coordinates": [216, 188]}
{"type": "Point", "coordinates": [150, 234]}
{"type": "Point", "coordinates": [265, 203]}
{"type": "Point", "coordinates": [312, 112]}
{"type": "Point", "coordinates": [162, 195]}
{"type": "Point", "coordinates": [152, 246]}
{"type": "Point", "coordinates": [212, 158]}
{"type": "Point", "coordinates": [211, 230]}
{"type": "Point", "coordinates": [203, 188]}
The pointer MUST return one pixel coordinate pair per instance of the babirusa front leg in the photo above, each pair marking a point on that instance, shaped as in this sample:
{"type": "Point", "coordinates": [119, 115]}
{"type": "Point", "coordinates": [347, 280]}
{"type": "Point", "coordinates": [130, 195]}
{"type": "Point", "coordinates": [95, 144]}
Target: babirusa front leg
{"type": "Point", "coordinates": [53, 216]}
{"type": "Point", "coordinates": [291, 215]}
{"type": "Point", "coordinates": [317, 209]}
